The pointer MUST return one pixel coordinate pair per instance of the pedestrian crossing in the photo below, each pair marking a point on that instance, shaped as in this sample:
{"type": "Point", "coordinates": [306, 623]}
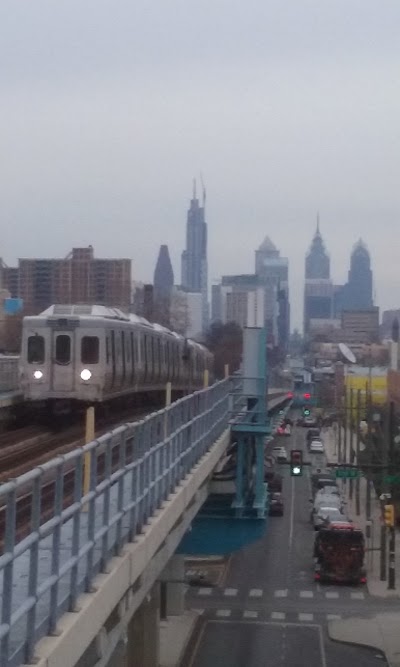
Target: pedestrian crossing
{"type": "Point", "coordinates": [263, 615]}
{"type": "Point", "coordinates": [259, 593]}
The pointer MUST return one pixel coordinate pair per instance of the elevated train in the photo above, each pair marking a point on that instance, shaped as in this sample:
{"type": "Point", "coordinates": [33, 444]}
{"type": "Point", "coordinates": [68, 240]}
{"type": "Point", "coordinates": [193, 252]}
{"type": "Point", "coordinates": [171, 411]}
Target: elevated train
{"type": "Point", "coordinates": [74, 356]}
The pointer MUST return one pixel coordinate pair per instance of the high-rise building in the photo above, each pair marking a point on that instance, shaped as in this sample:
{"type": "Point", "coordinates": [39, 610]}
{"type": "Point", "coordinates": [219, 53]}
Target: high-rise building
{"type": "Point", "coordinates": [163, 286]}
{"type": "Point", "coordinates": [163, 274]}
{"type": "Point", "coordinates": [272, 271]}
{"type": "Point", "coordinates": [317, 259]}
{"type": "Point", "coordinates": [318, 288]}
{"type": "Point", "coordinates": [79, 278]}
{"type": "Point", "coordinates": [356, 294]}
{"type": "Point", "coordinates": [194, 257]}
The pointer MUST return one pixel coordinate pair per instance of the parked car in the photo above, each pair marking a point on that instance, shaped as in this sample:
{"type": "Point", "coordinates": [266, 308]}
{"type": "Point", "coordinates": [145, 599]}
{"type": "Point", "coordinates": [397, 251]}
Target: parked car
{"type": "Point", "coordinates": [276, 506]}
{"type": "Point", "coordinates": [280, 454]}
{"type": "Point", "coordinates": [327, 515]}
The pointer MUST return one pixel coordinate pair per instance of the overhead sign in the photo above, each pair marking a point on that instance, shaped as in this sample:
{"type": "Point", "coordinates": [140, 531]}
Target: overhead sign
{"type": "Point", "coordinates": [348, 473]}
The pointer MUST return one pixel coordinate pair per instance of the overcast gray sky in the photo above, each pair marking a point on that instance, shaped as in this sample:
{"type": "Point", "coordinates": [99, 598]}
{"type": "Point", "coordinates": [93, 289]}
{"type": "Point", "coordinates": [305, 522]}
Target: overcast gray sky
{"type": "Point", "coordinates": [107, 110]}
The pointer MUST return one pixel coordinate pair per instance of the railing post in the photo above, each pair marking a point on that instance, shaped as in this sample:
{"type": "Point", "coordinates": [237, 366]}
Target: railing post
{"type": "Point", "coordinates": [6, 605]}
{"type": "Point", "coordinates": [33, 569]}
{"type": "Point", "coordinates": [89, 437]}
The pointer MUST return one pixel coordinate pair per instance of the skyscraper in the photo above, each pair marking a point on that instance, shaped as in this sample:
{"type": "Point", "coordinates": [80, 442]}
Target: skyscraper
{"type": "Point", "coordinates": [272, 271]}
{"type": "Point", "coordinates": [163, 286]}
{"type": "Point", "coordinates": [356, 294]}
{"type": "Point", "coordinates": [163, 274]}
{"type": "Point", "coordinates": [317, 259]}
{"type": "Point", "coordinates": [194, 257]}
{"type": "Point", "coordinates": [318, 288]}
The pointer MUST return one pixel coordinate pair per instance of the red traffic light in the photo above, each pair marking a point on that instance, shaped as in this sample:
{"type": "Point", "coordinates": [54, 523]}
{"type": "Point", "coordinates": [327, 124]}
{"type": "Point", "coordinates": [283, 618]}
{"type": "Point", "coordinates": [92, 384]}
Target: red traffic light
{"type": "Point", "coordinates": [290, 394]}
{"type": "Point", "coordinates": [296, 456]}
{"type": "Point", "coordinates": [307, 395]}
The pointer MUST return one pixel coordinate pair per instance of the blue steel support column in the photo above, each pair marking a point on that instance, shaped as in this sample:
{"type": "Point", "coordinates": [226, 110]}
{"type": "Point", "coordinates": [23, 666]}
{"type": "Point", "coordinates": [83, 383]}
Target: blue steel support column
{"type": "Point", "coordinates": [239, 501]}
{"type": "Point", "coordinates": [262, 409]}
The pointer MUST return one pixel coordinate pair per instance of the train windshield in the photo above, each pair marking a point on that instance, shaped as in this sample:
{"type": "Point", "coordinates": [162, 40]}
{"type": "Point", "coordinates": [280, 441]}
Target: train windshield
{"type": "Point", "coordinates": [90, 350]}
{"type": "Point", "coordinates": [35, 350]}
{"type": "Point", "coordinates": [63, 349]}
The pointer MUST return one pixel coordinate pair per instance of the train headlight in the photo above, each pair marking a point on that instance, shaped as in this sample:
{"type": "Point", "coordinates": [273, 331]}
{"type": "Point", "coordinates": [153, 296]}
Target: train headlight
{"type": "Point", "coordinates": [86, 374]}
{"type": "Point", "coordinates": [38, 375]}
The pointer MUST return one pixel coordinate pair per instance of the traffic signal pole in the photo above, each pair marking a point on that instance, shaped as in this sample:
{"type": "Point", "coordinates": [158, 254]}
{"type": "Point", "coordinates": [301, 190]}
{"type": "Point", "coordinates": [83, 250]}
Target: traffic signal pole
{"type": "Point", "coordinates": [392, 534]}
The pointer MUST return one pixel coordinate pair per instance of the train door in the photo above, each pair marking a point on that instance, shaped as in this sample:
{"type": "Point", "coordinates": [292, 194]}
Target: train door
{"type": "Point", "coordinates": [63, 361]}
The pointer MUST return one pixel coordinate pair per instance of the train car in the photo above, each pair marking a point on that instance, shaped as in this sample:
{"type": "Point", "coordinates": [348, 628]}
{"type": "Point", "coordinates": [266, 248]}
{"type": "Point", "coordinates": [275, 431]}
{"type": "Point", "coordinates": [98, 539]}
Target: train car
{"type": "Point", "coordinates": [81, 355]}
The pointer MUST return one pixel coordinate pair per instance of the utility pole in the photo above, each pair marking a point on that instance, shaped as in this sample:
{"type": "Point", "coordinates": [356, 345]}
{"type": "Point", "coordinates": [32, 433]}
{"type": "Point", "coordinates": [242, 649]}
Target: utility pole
{"type": "Point", "coordinates": [392, 533]}
{"type": "Point", "coordinates": [351, 451]}
{"type": "Point", "coordinates": [368, 444]}
{"type": "Point", "coordinates": [358, 450]}
{"type": "Point", "coordinates": [384, 440]}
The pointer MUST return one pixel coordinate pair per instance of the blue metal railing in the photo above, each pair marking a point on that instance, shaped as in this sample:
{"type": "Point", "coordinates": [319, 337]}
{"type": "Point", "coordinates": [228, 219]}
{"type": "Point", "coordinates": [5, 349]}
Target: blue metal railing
{"type": "Point", "coordinates": [133, 469]}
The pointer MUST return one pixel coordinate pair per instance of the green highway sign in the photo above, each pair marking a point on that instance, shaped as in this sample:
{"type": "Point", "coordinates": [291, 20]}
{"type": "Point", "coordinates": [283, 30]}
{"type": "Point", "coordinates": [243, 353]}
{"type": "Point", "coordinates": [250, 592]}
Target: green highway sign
{"type": "Point", "coordinates": [392, 479]}
{"type": "Point", "coordinates": [348, 473]}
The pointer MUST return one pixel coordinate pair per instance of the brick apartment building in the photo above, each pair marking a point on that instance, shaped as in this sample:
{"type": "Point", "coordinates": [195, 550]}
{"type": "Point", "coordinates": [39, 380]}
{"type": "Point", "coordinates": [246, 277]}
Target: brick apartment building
{"type": "Point", "coordinates": [79, 278]}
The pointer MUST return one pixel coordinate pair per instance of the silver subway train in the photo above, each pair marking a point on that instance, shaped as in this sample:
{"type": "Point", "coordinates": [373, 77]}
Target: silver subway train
{"type": "Point", "coordinates": [93, 354]}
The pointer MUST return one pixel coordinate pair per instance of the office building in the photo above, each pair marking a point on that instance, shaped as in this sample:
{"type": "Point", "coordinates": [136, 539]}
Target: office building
{"type": "Point", "coordinates": [163, 286]}
{"type": "Point", "coordinates": [194, 257]}
{"type": "Point", "coordinates": [360, 326]}
{"type": "Point", "coordinates": [357, 292]}
{"type": "Point", "coordinates": [272, 271]}
{"type": "Point", "coordinates": [318, 287]}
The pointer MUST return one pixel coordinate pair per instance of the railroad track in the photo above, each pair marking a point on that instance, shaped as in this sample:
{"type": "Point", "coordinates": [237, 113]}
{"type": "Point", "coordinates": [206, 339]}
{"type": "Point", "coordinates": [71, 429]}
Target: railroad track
{"type": "Point", "coordinates": [35, 452]}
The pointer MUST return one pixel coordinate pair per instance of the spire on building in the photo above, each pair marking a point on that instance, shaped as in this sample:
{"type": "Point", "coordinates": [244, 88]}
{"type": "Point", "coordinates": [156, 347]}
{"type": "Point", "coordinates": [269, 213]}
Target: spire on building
{"type": "Point", "coordinates": [317, 258]}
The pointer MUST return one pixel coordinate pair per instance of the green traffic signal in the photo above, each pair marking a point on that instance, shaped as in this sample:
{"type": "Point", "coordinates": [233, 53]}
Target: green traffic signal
{"type": "Point", "coordinates": [306, 412]}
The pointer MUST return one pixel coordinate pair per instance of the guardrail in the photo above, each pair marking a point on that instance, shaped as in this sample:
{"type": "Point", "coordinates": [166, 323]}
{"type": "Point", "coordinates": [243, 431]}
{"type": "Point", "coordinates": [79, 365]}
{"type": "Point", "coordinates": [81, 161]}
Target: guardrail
{"type": "Point", "coordinates": [9, 378]}
{"type": "Point", "coordinates": [133, 469]}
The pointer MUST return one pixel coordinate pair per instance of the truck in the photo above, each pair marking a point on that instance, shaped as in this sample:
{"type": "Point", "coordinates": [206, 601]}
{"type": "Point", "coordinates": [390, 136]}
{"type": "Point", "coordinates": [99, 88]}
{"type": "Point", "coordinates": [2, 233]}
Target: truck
{"type": "Point", "coordinates": [339, 551]}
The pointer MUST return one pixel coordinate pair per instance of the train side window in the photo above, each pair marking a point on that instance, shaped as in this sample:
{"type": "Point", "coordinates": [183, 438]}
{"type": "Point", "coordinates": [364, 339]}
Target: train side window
{"type": "Point", "coordinates": [123, 355]}
{"type": "Point", "coordinates": [132, 356]}
{"type": "Point", "coordinates": [107, 350]}
{"type": "Point", "coordinates": [35, 350]}
{"type": "Point", "coordinates": [90, 347]}
{"type": "Point", "coordinates": [113, 353]}
{"type": "Point", "coordinates": [145, 357]}
{"type": "Point", "coordinates": [63, 349]}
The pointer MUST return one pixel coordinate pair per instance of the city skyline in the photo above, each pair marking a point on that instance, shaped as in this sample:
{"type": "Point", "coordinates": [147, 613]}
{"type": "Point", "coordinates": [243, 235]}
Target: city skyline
{"type": "Point", "coordinates": [305, 120]}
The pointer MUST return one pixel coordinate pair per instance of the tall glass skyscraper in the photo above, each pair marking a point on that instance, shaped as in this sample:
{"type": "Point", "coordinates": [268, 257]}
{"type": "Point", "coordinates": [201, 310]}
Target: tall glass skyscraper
{"type": "Point", "coordinates": [194, 257]}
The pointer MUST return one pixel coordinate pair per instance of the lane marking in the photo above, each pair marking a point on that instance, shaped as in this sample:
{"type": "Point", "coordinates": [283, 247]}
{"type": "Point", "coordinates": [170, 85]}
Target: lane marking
{"type": "Point", "coordinates": [281, 594]}
{"type": "Point", "coordinates": [306, 617]}
{"type": "Point", "coordinates": [230, 592]}
{"type": "Point", "coordinates": [357, 596]}
{"type": "Point", "coordinates": [291, 516]}
{"type": "Point", "coordinates": [306, 594]}
{"type": "Point", "coordinates": [205, 591]}
{"type": "Point", "coordinates": [248, 613]}
{"type": "Point", "coordinates": [223, 613]}
{"type": "Point", "coordinates": [255, 593]}
{"type": "Point", "coordinates": [322, 646]}
{"type": "Point", "coordinates": [278, 615]}
{"type": "Point", "coordinates": [333, 617]}
{"type": "Point", "coordinates": [331, 595]}
{"type": "Point", "coordinates": [198, 611]}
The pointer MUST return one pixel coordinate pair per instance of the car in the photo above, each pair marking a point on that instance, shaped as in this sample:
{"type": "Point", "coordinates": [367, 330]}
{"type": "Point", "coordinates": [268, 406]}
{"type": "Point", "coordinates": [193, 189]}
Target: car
{"type": "Point", "coordinates": [327, 491]}
{"type": "Point", "coordinates": [313, 434]}
{"type": "Point", "coordinates": [276, 506]}
{"type": "Point", "coordinates": [280, 454]}
{"type": "Point", "coordinates": [327, 515]}
{"type": "Point", "coordinates": [288, 429]}
{"type": "Point", "coordinates": [274, 481]}
{"type": "Point", "coordinates": [280, 430]}
{"type": "Point", "coordinates": [310, 422]}
{"type": "Point", "coordinates": [327, 501]}
{"type": "Point", "coordinates": [316, 447]}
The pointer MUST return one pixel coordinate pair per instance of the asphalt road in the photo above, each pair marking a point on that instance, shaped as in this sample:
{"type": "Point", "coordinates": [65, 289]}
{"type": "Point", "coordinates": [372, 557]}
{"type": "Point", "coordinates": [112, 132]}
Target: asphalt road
{"type": "Point", "coordinates": [267, 609]}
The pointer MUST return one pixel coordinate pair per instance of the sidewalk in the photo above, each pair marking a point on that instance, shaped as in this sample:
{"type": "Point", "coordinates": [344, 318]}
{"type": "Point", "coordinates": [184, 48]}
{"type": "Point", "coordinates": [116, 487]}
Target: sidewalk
{"type": "Point", "coordinates": [383, 630]}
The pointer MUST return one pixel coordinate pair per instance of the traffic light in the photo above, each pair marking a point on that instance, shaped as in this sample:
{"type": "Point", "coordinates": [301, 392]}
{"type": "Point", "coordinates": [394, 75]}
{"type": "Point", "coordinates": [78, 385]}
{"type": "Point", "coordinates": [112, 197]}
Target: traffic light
{"type": "Point", "coordinates": [296, 462]}
{"type": "Point", "coordinates": [388, 516]}
{"type": "Point", "coordinates": [307, 396]}
{"type": "Point", "coordinates": [306, 412]}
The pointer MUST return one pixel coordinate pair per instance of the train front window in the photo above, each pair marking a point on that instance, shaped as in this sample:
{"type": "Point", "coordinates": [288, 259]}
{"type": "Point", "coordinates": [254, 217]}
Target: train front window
{"type": "Point", "coordinates": [63, 349]}
{"type": "Point", "coordinates": [90, 350]}
{"type": "Point", "coordinates": [35, 350]}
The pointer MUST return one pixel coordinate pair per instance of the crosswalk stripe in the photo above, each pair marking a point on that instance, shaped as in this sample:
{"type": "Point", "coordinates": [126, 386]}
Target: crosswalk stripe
{"type": "Point", "coordinates": [230, 592]}
{"type": "Point", "coordinates": [331, 595]}
{"type": "Point", "coordinates": [357, 596]}
{"type": "Point", "coordinates": [306, 617]}
{"type": "Point", "coordinates": [281, 593]}
{"type": "Point", "coordinates": [255, 592]}
{"type": "Point", "coordinates": [333, 617]}
{"type": "Point", "coordinates": [248, 613]}
{"type": "Point", "coordinates": [223, 613]}
{"type": "Point", "coordinates": [278, 616]}
{"type": "Point", "coordinates": [306, 594]}
{"type": "Point", "coordinates": [205, 591]}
